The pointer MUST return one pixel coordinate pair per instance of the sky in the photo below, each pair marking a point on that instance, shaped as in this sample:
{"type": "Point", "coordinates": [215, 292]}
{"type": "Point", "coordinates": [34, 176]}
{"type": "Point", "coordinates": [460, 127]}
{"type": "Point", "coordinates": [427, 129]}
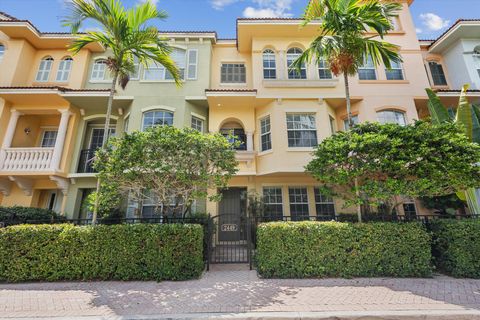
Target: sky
{"type": "Point", "coordinates": [431, 17]}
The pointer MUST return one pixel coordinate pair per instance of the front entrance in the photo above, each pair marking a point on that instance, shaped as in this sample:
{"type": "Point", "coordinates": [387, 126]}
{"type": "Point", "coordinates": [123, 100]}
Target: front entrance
{"type": "Point", "coordinates": [230, 230]}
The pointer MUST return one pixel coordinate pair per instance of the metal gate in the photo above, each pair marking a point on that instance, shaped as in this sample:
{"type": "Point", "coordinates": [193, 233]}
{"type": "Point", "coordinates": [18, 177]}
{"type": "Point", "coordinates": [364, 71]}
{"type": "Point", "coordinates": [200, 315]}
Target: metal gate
{"type": "Point", "coordinates": [230, 239]}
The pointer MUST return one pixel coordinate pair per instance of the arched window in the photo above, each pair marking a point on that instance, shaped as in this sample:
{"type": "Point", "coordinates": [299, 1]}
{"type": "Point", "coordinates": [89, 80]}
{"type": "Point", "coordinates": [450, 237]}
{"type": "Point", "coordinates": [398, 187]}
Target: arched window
{"type": "Point", "coordinates": [44, 69]}
{"type": "Point", "coordinates": [269, 65]}
{"type": "Point", "coordinates": [293, 73]}
{"type": "Point", "coordinates": [391, 116]}
{"type": "Point", "coordinates": [157, 118]}
{"type": "Point", "coordinates": [63, 72]}
{"type": "Point", "coordinates": [99, 70]}
{"type": "Point", "coordinates": [2, 51]}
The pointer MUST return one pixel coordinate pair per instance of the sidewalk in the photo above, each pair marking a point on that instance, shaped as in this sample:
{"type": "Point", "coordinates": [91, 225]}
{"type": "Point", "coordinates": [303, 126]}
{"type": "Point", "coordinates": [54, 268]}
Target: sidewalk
{"type": "Point", "coordinates": [235, 292]}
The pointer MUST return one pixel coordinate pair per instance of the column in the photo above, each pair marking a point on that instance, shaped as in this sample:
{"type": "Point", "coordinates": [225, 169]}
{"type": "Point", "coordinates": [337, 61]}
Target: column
{"type": "Point", "coordinates": [281, 65]}
{"type": "Point", "coordinates": [59, 143]}
{"type": "Point", "coordinates": [7, 140]}
{"type": "Point", "coordinates": [249, 141]}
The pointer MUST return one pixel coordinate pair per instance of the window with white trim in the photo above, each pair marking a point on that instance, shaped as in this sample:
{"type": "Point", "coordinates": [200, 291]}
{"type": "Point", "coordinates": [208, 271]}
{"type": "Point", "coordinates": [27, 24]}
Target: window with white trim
{"type": "Point", "coordinates": [395, 21]}
{"type": "Point", "coordinates": [272, 198]}
{"type": "Point", "coordinates": [292, 55]}
{"type": "Point", "coordinates": [153, 208]}
{"type": "Point", "coordinates": [2, 51]}
{"type": "Point", "coordinates": [269, 64]}
{"type": "Point", "coordinates": [135, 75]}
{"type": "Point", "coordinates": [367, 71]}
{"type": "Point", "coordinates": [48, 139]}
{"type": "Point", "coordinates": [157, 118]}
{"type": "Point", "coordinates": [44, 69]}
{"type": "Point", "coordinates": [63, 72]}
{"type": "Point", "coordinates": [476, 59]}
{"type": "Point", "coordinates": [197, 123]}
{"type": "Point", "coordinates": [438, 75]}
{"type": "Point", "coordinates": [233, 73]}
{"type": "Point", "coordinates": [395, 72]}
{"type": "Point", "coordinates": [179, 57]}
{"type": "Point", "coordinates": [192, 64]}
{"type": "Point", "coordinates": [301, 130]}
{"type": "Point", "coordinates": [324, 205]}
{"type": "Point", "coordinates": [99, 70]}
{"type": "Point", "coordinates": [346, 125]}
{"type": "Point", "coordinates": [324, 72]}
{"type": "Point", "coordinates": [157, 72]}
{"type": "Point", "coordinates": [265, 133]}
{"type": "Point", "coordinates": [298, 198]}
{"type": "Point", "coordinates": [391, 116]}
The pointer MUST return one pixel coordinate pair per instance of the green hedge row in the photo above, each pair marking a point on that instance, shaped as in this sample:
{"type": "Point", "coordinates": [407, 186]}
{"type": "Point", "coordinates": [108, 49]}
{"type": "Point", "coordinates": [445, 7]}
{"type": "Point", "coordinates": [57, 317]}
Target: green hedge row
{"type": "Point", "coordinates": [22, 214]}
{"type": "Point", "coordinates": [456, 247]}
{"type": "Point", "coordinates": [333, 249]}
{"type": "Point", "coordinates": [118, 252]}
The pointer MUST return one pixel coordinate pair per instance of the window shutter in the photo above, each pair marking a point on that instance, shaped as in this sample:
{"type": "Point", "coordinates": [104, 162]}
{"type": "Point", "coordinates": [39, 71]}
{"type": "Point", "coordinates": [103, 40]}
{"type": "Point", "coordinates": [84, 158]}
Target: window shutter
{"type": "Point", "coordinates": [192, 64]}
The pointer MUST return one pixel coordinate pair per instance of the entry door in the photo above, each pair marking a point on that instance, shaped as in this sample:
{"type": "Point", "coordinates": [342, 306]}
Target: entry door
{"type": "Point", "coordinates": [232, 214]}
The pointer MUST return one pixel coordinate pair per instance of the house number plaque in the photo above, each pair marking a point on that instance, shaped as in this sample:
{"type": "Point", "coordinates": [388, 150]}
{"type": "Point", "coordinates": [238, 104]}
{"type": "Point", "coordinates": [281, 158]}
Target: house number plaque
{"type": "Point", "coordinates": [229, 227]}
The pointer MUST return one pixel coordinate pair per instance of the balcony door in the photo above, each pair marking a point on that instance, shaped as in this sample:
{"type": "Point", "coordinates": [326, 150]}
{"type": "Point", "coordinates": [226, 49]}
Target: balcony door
{"type": "Point", "coordinates": [96, 137]}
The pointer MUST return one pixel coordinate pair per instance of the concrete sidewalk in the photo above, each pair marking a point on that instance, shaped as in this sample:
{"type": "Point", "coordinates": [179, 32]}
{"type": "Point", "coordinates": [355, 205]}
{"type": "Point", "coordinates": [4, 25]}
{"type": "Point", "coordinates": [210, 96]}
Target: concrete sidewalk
{"type": "Point", "coordinates": [235, 292]}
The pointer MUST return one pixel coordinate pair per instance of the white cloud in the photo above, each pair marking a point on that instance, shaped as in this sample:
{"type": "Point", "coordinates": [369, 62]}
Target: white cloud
{"type": "Point", "coordinates": [418, 30]}
{"type": "Point", "coordinates": [269, 9]}
{"type": "Point", "coordinates": [220, 4]}
{"type": "Point", "coordinates": [154, 2]}
{"type": "Point", "coordinates": [433, 22]}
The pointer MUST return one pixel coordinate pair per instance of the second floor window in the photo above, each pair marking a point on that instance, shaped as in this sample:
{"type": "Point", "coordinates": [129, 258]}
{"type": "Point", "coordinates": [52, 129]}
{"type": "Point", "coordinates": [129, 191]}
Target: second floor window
{"type": "Point", "coordinates": [233, 73]}
{"type": "Point", "coordinates": [2, 51]}
{"type": "Point", "coordinates": [301, 130]}
{"type": "Point", "coordinates": [63, 72]}
{"type": "Point", "coordinates": [135, 75]}
{"type": "Point", "coordinates": [157, 72]}
{"type": "Point", "coordinates": [99, 70]}
{"type": "Point", "coordinates": [48, 139]}
{"type": "Point", "coordinates": [44, 69]}
{"type": "Point", "coordinates": [265, 134]}
{"type": "Point", "coordinates": [292, 55]}
{"type": "Point", "coordinates": [157, 118]}
{"type": "Point", "coordinates": [367, 71]}
{"type": "Point", "coordinates": [395, 72]}
{"type": "Point", "coordinates": [438, 75]}
{"type": "Point", "coordinates": [324, 71]}
{"type": "Point", "coordinates": [391, 116]}
{"type": "Point", "coordinates": [269, 65]}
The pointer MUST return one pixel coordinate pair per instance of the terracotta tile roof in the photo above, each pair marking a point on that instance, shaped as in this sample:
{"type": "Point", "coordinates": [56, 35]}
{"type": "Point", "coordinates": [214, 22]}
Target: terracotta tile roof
{"type": "Point", "coordinates": [231, 90]}
{"type": "Point", "coordinates": [456, 90]}
{"type": "Point", "coordinates": [63, 89]}
{"type": "Point", "coordinates": [7, 15]}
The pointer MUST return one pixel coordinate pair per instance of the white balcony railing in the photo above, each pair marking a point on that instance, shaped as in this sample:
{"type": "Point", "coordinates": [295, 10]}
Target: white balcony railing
{"type": "Point", "coordinates": [26, 159]}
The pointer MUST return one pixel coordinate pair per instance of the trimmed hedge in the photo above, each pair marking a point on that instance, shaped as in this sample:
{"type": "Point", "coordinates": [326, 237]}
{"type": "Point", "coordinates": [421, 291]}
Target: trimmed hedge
{"type": "Point", "coordinates": [456, 247]}
{"type": "Point", "coordinates": [117, 252]}
{"type": "Point", "coordinates": [333, 249]}
{"type": "Point", "coordinates": [22, 214]}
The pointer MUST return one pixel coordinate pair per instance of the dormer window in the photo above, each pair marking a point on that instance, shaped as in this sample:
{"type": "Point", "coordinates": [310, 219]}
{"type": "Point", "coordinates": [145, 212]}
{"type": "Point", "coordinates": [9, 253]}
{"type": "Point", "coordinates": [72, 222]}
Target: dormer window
{"type": "Point", "coordinates": [64, 69]}
{"type": "Point", "coordinates": [44, 69]}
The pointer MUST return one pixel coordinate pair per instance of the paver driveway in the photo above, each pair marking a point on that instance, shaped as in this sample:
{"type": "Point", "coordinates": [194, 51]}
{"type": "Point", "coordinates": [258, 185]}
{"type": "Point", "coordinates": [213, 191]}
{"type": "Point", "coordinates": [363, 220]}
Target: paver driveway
{"type": "Point", "coordinates": [229, 289]}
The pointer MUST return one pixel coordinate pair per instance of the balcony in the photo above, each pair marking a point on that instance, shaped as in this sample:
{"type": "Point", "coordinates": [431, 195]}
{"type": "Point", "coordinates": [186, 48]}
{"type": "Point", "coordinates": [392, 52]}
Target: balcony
{"type": "Point", "coordinates": [85, 165]}
{"type": "Point", "coordinates": [27, 159]}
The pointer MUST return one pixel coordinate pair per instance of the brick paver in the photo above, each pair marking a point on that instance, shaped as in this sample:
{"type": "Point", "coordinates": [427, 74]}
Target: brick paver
{"type": "Point", "coordinates": [234, 289]}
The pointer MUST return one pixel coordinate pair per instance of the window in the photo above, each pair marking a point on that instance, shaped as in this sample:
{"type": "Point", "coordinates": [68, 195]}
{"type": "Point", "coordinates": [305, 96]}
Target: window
{"type": "Point", "coordinates": [298, 203]}
{"type": "Point", "coordinates": [64, 69]}
{"type": "Point", "coordinates": [157, 118]}
{"type": "Point", "coordinates": [153, 208]}
{"type": "Point", "coordinates": [235, 135]}
{"type": "Point", "coordinates": [96, 140]}
{"type": "Point", "coordinates": [409, 208]}
{"type": "Point", "coordinates": [154, 72]}
{"type": "Point", "coordinates": [292, 55]}
{"type": "Point", "coordinates": [99, 70]}
{"type": "Point", "coordinates": [2, 51]}
{"type": "Point", "coordinates": [269, 65]}
{"type": "Point", "coordinates": [135, 75]}
{"type": "Point", "coordinates": [233, 73]}
{"type": "Point", "coordinates": [272, 197]}
{"type": "Point", "coordinates": [332, 124]}
{"type": "Point", "coordinates": [192, 64]}
{"type": "Point", "coordinates": [476, 59]}
{"type": "Point", "coordinates": [346, 125]}
{"type": "Point", "coordinates": [324, 71]}
{"type": "Point", "coordinates": [438, 75]}
{"type": "Point", "coordinates": [48, 139]}
{"type": "Point", "coordinates": [324, 205]}
{"type": "Point", "coordinates": [301, 130]}
{"type": "Point", "coordinates": [265, 133]}
{"type": "Point", "coordinates": [179, 57]}
{"type": "Point", "coordinates": [197, 124]}
{"type": "Point", "coordinates": [391, 116]}
{"type": "Point", "coordinates": [44, 69]}
{"type": "Point", "coordinates": [367, 71]}
{"type": "Point", "coordinates": [126, 123]}
{"type": "Point", "coordinates": [395, 21]}
{"type": "Point", "coordinates": [396, 71]}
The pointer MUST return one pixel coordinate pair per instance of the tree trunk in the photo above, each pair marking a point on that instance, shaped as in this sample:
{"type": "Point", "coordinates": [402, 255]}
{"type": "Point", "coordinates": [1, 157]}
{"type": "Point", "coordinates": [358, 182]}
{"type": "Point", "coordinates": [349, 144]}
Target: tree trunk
{"type": "Point", "coordinates": [106, 135]}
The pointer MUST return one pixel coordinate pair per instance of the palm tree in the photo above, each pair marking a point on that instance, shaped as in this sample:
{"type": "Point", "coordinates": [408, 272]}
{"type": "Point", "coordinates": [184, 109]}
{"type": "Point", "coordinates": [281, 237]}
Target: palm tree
{"type": "Point", "coordinates": [126, 33]}
{"type": "Point", "coordinates": [343, 43]}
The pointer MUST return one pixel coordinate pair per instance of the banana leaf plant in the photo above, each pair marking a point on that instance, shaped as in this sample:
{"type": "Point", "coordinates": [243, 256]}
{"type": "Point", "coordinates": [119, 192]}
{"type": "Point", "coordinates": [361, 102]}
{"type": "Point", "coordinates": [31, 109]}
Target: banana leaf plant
{"type": "Point", "coordinates": [468, 117]}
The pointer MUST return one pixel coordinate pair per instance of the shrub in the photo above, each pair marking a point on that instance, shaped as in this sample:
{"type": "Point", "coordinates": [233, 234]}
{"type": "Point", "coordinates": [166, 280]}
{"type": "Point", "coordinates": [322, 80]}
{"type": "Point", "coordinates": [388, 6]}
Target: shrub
{"type": "Point", "coordinates": [456, 247]}
{"type": "Point", "coordinates": [332, 249]}
{"type": "Point", "coordinates": [117, 252]}
{"type": "Point", "coordinates": [23, 214]}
